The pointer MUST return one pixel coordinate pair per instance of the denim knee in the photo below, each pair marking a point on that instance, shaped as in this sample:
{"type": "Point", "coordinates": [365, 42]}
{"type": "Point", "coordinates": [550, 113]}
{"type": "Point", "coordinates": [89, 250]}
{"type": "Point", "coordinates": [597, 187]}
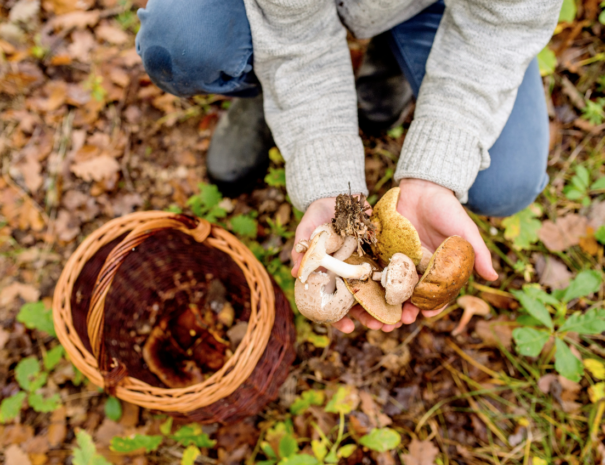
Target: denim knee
{"type": "Point", "coordinates": [200, 47]}
{"type": "Point", "coordinates": [517, 173]}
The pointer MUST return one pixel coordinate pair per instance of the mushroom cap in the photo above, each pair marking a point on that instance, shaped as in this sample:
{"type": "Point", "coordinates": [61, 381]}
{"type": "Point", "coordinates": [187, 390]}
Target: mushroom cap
{"type": "Point", "coordinates": [448, 270]}
{"type": "Point", "coordinates": [312, 258]}
{"type": "Point", "coordinates": [474, 305]}
{"type": "Point", "coordinates": [394, 232]}
{"type": "Point", "coordinates": [334, 241]}
{"type": "Point", "coordinates": [318, 306]}
{"type": "Point", "coordinates": [399, 279]}
{"type": "Point", "coordinates": [162, 357]}
{"type": "Point", "coordinates": [370, 294]}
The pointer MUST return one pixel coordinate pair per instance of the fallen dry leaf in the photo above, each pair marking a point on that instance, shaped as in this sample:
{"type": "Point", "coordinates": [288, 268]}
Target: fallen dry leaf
{"type": "Point", "coordinates": [564, 233]}
{"type": "Point", "coordinates": [24, 11]}
{"type": "Point", "coordinates": [13, 455]}
{"type": "Point", "coordinates": [57, 430]}
{"type": "Point", "coordinates": [494, 332]}
{"type": "Point", "coordinates": [30, 168]}
{"type": "Point", "coordinates": [97, 169]}
{"type": "Point", "coordinates": [4, 336]}
{"type": "Point", "coordinates": [26, 291]}
{"type": "Point", "coordinates": [60, 7]}
{"type": "Point", "coordinates": [596, 215]}
{"type": "Point", "coordinates": [588, 243]}
{"type": "Point", "coordinates": [82, 43]}
{"type": "Point", "coordinates": [67, 226]}
{"type": "Point", "coordinates": [112, 34]}
{"type": "Point", "coordinates": [421, 453]}
{"type": "Point", "coordinates": [552, 272]}
{"type": "Point", "coordinates": [369, 407]}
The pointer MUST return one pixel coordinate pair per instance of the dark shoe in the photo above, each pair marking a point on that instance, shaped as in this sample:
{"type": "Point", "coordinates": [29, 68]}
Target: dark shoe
{"type": "Point", "coordinates": [239, 150]}
{"type": "Point", "coordinates": [383, 93]}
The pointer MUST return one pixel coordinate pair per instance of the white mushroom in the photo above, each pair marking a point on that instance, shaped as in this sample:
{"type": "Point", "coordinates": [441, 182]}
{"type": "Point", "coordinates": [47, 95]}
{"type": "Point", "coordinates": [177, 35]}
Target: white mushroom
{"type": "Point", "coordinates": [333, 243]}
{"type": "Point", "coordinates": [317, 256]}
{"type": "Point", "coordinates": [315, 303]}
{"type": "Point", "coordinates": [399, 279]}
{"type": "Point", "coordinates": [472, 306]}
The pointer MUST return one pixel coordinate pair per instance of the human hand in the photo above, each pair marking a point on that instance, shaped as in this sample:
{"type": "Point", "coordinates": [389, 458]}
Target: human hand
{"type": "Point", "coordinates": [437, 214]}
{"type": "Point", "coordinates": [320, 212]}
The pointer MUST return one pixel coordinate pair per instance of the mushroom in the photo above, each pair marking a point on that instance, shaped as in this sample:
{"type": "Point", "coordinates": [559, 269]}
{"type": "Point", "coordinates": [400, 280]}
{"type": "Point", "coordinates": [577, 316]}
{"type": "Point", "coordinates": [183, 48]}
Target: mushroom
{"type": "Point", "coordinates": [472, 306]}
{"type": "Point", "coordinates": [394, 232]}
{"type": "Point", "coordinates": [370, 294]}
{"type": "Point", "coordinates": [448, 270]}
{"type": "Point", "coordinates": [424, 261]}
{"type": "Point", "coordinates": [165, 359]}
{"type": "Point", "coordinates": [333, 243]}
{"type": "Point", "coordinates": [316, 302]}
{"type": "Point", "coordinates": [317, 256]}
{"type": "Point", "coordinates": [399, 279]}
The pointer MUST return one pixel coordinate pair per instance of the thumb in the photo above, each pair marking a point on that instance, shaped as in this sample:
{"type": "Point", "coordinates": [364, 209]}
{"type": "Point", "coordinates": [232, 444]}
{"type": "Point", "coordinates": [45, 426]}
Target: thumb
{"type": "Point", "coordinates": [483, 257]}
{"type": "Point", "coordinates": [303, 232]}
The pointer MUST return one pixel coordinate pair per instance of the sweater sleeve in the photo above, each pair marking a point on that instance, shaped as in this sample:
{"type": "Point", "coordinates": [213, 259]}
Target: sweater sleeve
{"type": "Point", "coordinates": [477, 63]}
{"type": "Point", "coordinates": [303, 63]}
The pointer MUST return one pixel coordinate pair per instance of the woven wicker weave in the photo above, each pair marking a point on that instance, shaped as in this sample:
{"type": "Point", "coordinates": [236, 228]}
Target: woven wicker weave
{"type": "Point", "coordinates": [111, 286]}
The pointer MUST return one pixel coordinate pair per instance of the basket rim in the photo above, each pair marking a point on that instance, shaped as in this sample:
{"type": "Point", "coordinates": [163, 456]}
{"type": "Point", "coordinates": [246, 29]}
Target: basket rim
{"type": "Point", "coordinates": [223, 382]}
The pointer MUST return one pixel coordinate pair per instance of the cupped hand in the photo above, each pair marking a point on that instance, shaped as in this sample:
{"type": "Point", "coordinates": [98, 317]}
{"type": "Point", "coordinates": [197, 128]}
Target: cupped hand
{"type": "Point", "coordinates": [320, 212]}
{"type": "Point", "coordinates": [437, 214]}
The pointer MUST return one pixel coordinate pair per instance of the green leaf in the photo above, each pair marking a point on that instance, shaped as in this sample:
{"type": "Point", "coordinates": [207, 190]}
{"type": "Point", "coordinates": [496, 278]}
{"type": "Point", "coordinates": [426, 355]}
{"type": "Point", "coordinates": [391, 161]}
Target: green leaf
{"type": "Point", "coordinates": [600, 235]}
{"type": "Point", "coordinates": [287, 446]}
{"type": "Point", "coordinates": [587, 282]}
{"type": "Point", "coordinates": [346, 451]}
{"type": "Point", "coordinates": [381, 439]}
{"type": "Point", "coordinates": [28, 375]}
{"type": "Point", "coordinates": [85, 453]}
{"type": "Point", "coordinates": [331, 457]}
{"type": "Point", "coordinates": [534, 307]}
{"type": "Point", "coordinates": [319, 449]}
{"type": "Point", "coordinates": [602, 17]}
{"type": "Point", "coordinates": [189, 455]}
{"type": "Point", "coordinates": [395, 132]}
{"type": "Point", "coordinates": [582, 178]}
{"type": "Point", "coordinates": [268, 450]}
{"type": "Point", "coordinates": [44, 405]}
{"type": "Point", "coordinates": [547, 61]}
{"type": "Point", "coordinates": [166, 427]}
{"type": "Point", "coordinates": [300, 459]}
{"type": "Point", "coordinates": [275, 156]}
{"type": "Point", "coordinates": [113, 409]}
{"type": "Point", "coordinates": [528, 320]}
{"type": "Point", "coordinates": [35, 315]}
{"type": "Point", "coordinates": [344, 401]}
{"type": "Point", "coordinates": [136, 442]}
{"type": "Point", "coordinates": [535, 291]}
{"type": "Point", "coordinates": [11, 406]}
{"type": "Point", "coordinates": [566, 363]}
{"type": "Point", "coordinates": [589, 323]}
{"type": "Point", "coordinates": [276, 177]}
{"type": "Point", "coordinates": [572, 193]}
{"type": "Point", "coordinates": [193, 434]}
{"type": "Point", "coordinates": [595, 367]}
{"type": "Point", "coordinates": [305, 333]}
{"type": "Point", "coordinates": [53, 357]}
{"type": "Point", "coordinates": [209, 195]}
{"type": "Point", "coordinates": [244, 225]}
{"type": "Point", "coordinates": [522, 228]}
{"type": "Point", "coordinates": [530, 341]}
{"type": "Point", "coordinates": [568, 11]}
{"type": "Point", "coordinates": [306, 399]}
{"type": "Point", "coordinates": [598, 185]}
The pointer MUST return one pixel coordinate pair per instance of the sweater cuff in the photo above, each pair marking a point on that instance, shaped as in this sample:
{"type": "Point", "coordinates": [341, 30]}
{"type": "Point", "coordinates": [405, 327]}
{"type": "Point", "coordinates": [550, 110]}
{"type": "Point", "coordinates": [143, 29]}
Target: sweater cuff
{"type": "Point", "coordinates": [325, 167]}
{"type": "Point", "coordinates": [440, 152]}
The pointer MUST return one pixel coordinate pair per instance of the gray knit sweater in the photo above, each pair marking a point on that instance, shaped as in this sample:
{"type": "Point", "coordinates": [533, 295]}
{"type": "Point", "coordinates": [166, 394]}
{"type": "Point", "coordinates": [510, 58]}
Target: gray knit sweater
{"type": "Point", "coordinates": [477, 62]}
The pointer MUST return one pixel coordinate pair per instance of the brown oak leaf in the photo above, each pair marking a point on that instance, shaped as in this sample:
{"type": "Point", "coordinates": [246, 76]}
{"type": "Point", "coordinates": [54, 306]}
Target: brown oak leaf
{"type": "Point", "coordinates": [563, 233]}
{"type": "Point", "coordinates": [421, 453]}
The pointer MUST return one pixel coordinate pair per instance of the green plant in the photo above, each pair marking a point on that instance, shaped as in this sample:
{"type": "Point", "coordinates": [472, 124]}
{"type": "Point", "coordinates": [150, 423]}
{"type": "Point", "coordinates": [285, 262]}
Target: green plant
{"type": "Point", "coordinates": [94, 83]}
{"type": "Point", "coordinates": [206, 203]}
{"type": "Point", "coordinates": [522, 228]}
{"type": "Point", "coordinates": [580, 186]}
{"type": "Point", "coordinates": [85, 453]}
{"type": "Point", "coordinates": [113, 408]}
{"type": "Point", "coordinates": [127, 19]}
{"type": "Point", "coordinates": [538, 325]}
{"type": "Point", "coordinates": [276, 177]}
{"type": "Point", "coordinates": [34, 315]}
{"type": "Point", "coordinates": [278, 229]}
{"type": "Point", "coordinates": [244, 225]}
{"type": "Point", "coordinates": [594, 112]}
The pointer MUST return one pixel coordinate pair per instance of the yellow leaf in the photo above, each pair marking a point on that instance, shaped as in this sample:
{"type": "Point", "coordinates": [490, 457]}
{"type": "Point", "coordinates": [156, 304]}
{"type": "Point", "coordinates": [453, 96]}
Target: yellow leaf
{"type": "Point", "coordinates": [596, 368]}
{"type": "Point", "coordinates": [538, 461]}
{"type": "Point", "coordinates": [596, 392]}
{"type": "Point", "coordinates": [523, 422]}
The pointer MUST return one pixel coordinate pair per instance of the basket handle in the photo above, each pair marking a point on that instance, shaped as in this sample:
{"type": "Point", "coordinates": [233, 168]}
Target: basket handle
{"type": "Point", "coordinates": [197, 228]}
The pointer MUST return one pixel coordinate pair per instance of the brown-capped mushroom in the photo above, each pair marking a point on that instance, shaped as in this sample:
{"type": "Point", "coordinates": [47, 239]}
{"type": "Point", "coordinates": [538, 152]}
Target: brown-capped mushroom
{"type": "Point", "coordinates": [398, 279]}
{"type": "Point", "coordinates": [316, 302]}
{"type": "Point", "coordinates": [165, 359]}
{"type": "Point", "coordinates": [394, 232]}
{"type": "Point", "coordinates": [448, 270]}
{"type": "Point", "coordinates": [370, 294]}
{"type": "Point", "coordinates": [317, 257]}
{"type": "Point", "coordinates": [472, 306]}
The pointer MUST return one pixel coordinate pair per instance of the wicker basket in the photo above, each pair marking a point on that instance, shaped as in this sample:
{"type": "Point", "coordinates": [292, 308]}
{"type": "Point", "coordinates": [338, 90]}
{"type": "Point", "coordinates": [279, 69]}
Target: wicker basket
{"type": "Point", "coordinates": [113, 283]}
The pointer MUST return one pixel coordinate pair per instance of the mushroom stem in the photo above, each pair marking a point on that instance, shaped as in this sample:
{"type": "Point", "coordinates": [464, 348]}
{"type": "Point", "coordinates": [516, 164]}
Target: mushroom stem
{"type": "Point", "coordinates": [472, 306]}
{"type": "Point", "coordinates": [344, 270]}
{"type": "Point", "coordinates": [377, 276]}
{"type": "Point", "coordinates": [349, 246]}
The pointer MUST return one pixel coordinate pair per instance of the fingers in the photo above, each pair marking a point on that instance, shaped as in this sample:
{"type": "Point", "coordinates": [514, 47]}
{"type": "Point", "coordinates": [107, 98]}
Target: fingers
{"type": "Point", "coordinates": [345, 325]}
{"type": "Point", "coordinates": [432, 313]}
{"type": "Point", "coordinates": [303, 232]}
{"type": "Point", "coordinates": [365, 318]}
{"type": "Point", "coordinates": [483, 257]}
{"type": "Point", "coordinates": [409, 314]}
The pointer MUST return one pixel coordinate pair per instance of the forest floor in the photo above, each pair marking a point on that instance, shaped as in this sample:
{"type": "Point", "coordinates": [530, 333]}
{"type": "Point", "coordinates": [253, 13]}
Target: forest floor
{"type": "Point", "coordinates": [85, 137]}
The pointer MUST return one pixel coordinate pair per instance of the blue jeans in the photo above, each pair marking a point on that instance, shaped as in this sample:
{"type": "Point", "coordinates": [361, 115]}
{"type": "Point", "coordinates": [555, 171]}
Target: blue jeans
{"type": "Point", "coordinates": [205, 46]}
